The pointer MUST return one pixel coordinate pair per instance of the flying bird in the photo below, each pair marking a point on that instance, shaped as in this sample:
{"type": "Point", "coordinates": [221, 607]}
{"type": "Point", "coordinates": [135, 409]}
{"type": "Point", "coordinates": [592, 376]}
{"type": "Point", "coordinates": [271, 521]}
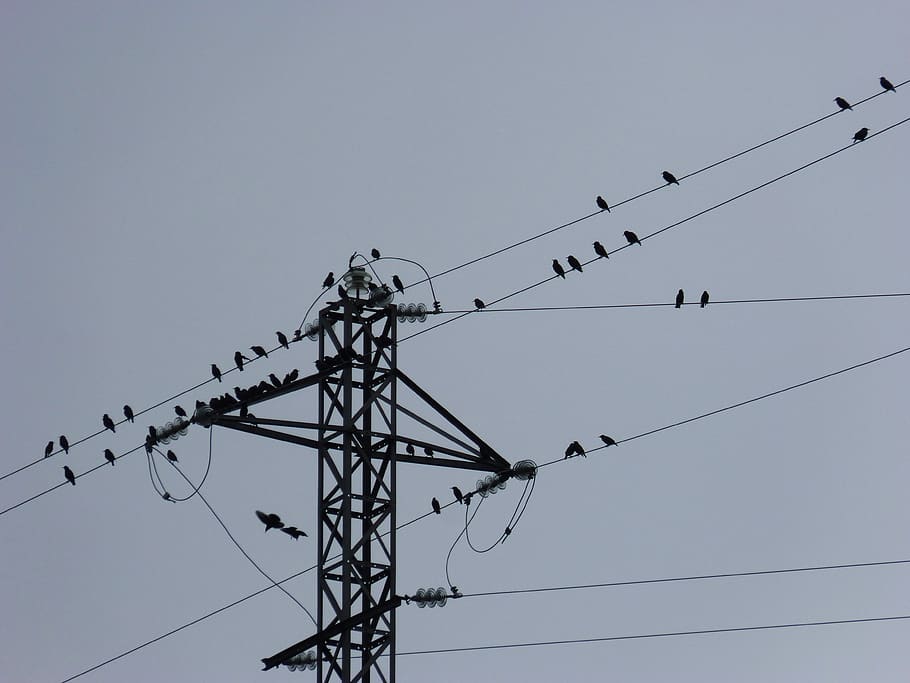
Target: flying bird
{"type": "Point", "coordinates": [109, 456]}
{"type": "Point", "coordinates": [459, 496]}
{"type": "Point", "coordinates": [842, 103]}
{"type": "Point", "coordinates": [479, 304]}
{"type": "Point", "coordinates": [631, 237]}
{"type": "Point", "coordinates": [68, 473]}
{"type": "Point", "coordinates": [271, 520]}
{"type": "Point", "coordinates": [293, 531]}
{"type": "Point", "coordinates": [574, 263]}
{"type": "Point", "coordinates": [436, 507]}
{"type": "Point", "coordinates": [128, 413]}
{"type": "Point", "coordinates": [216, 373]}
{"type": "Point", "coordinates": [670, 178]}
{"type": "Point", "coordinates": [283, 340]}
{"type": "Point", "coordinates": [172, 456]}
{"type": "Point", "coordinates": [398, 284]}
{"type": "Point", "coordinates": [558, 269]}
{"type": "Point", "coordinates": [259, 351]}
{"type": "Point", "coordinates": [608, 441]}
{"type": "Point", "coordinates": [860, 135]}
{"type": "Point", "coordinates": [886, 84]}
{"type": "Point", "coordinates": [600, 251]}
{"type": "Point", "coordinates": [602, 204]}
{"type": "Point", "coordinates": [680, 297]}
{"type": "Point", "coordinates": [704, 299]}
{"type": "Point", "coordinates": [329, 280]}
{"type": "Point", "coordinates": [238, 361]}
{"type": "Point", "coordinates": [375, 253]}
{"type": "Point", "coordinates": [64, 444]}
{"type": "Point", "coordinates": [48, 449]}
{"type": "Point", "coordinates": [108, 423]}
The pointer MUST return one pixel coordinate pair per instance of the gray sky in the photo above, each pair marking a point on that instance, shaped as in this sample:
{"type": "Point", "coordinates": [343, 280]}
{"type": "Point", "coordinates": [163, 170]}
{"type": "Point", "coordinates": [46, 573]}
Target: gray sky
{"type": "Point", "coordinates": [177, 180]}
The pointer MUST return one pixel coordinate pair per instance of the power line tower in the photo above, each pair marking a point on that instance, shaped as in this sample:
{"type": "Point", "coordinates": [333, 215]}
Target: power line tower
{"type": "Point", "coordinates": [363, 399]}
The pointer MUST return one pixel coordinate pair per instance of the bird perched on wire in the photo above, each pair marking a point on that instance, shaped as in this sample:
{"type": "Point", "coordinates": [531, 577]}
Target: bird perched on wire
{"type": "Point", "coordinates": [68, 473]}
{"type": "Point", "coordinates": [216, 373]}
{"type": "Point", "coordinates": [259, 351]}
{"type": "Point", "coordinates": [153, 434]}
{"type": "Point", "coordinates": [574, 263]}
{"type": "Point", "coordinates": [574, 449]}
{"type": "Point", "coordinates": [399, 285]}
{"type": "Point", "coordinates": [631, 237]}
{"type": "Point", "coordinates": [238, 360]}
{"type": "Point", "coordinates": [293, 531]}
{"type": "Point", "coordinates": [64, 444]}
{"type": "Point", "coordinates": [128, 413]}
{"type": "Point", "coordinates": [479, 304]}
{"type": "Point", "coordinates": [437, 508]}
{"type": "Point", "coordinates": [48, 449]}
{"type": "Point", "coordinates": [602, 204]}
{"type": "Point", "coordinates": [109, 456]}
{"type": "Point", "coordinates": [608, 441]}
{"type": "Point", "coordinates": [670, 178]}
{"type": "Point", "coordinates": [558, 269]}
{"type": "Point", "coordinates": [842, 103]}
{"type": "Point", "coordinates": [680, 297]}
{"type": "Point", "coordinates": [375, 253]}
{"type": "Point", "coordinates": [886, 84]}
{"type": "Point", "coordinates": [172, 456]}
{"type": "Point", "coordinates": [704, 299]}
{"type": "Point", "coordinates": [108, 423]}
{"type": "Point", "coordinates": [860, 135]}
{"type": "Point", "coordinates": [282, 339]}
{"type": "Point", "coordinates": [329, 280]}
{"type": "Point", "coordinates": [600, 251]}
{"type": "Point", "coordinates": [271, 520]}
{"type": "Point", "coordinates": [459, 496]}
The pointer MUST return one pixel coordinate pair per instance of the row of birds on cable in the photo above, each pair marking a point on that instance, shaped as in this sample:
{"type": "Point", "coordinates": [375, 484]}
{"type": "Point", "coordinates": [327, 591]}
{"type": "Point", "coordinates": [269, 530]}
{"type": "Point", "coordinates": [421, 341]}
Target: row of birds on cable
{"type": "Point", "coordinates": [574, 449]}
{"type": "Point", "coordinates": [844, 105]}
{"type": "Point", "coordinates": [273, 521]}
{"type": "Point", "coordinates": [242, 396]}
{"type": "Point", "coordinates": [461, 498]}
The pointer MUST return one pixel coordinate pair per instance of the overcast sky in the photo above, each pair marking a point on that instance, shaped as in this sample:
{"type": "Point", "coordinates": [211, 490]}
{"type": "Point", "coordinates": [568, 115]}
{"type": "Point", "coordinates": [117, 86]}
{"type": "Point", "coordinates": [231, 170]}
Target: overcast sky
{"type": "Point", "coordinates": [177, 180]}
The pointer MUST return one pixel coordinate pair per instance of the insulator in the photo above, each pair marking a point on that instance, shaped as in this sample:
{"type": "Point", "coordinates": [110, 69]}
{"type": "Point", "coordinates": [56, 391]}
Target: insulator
{"type": "Point", "coordinates": [357, 283]}
{"type": "Point", "coordinates": [171, 431]}
{"type": "Point", "coordinates": [204, 416]}
{"type": "Point", "coordinates": [421, 597]}
{"type": "Point", "coordinates": [311, 331]}
{"type": "Point", "coordinates": [524, 470]}
{"type": "Point", "coordinates": [441, 596]}
{"type": "Point", "coordinates": [412, 313]}
{"type": "Point", "coordinates": [381, 296]}
{"type": "Point", "coordinates": [481, 488]}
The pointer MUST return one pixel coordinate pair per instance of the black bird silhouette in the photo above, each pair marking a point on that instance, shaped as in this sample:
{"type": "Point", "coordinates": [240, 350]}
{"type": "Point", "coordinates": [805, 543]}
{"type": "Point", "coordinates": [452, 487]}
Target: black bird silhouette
{"type": "Point", "coordinates": [172, 456]}
{"type": "Point", "coordinates": [886, 84]}
{"type": "Point", "coordinates": [600, 251]}
{"type": "Point", "coordinates": [575, 448]}
{"type": "Point", "coordinates": [64, 444]}
{"type": "Point", "coordinates": [68, 473]}
{"type": "Point", "coordinates": [602, 204]}
{"type": "Point", "coordinates": [479, 304]}
{"type": "Point", "coordinates": [375, 253]}
{"type": "Point", "coordinates": [216, 373]}
{"type": "Point", "coordinates": [860, 135]}
{"type": "Point", "coordinates": [48, 449]}
{"type": "Point", "coordinates": [298, 335]}
{"type": "Point", "coordinates": [153, 434]}
{"type": "Point", "coordinates": [238, 360]}
{"type": "Point", "coordinates": [558, 269]}
{"type": "Point", "coordinates": [459, 496]}
{"type": "Point", "coordinates": [273, 378]}
{"type": "Point", "coordinates": [128, 413]}
{"type": "Point", "coordinates": [631, 237]}
{"type": "Point", "coordinates": [436, 506]}
{"type": "Point", "coordinates": [271, 520]}
{"type": "Point", "coordinates": [329, 280]}
{"type": "Point", "coordinates": [574, 263]}
{"type": "Point", "coordinates": [409, 449]}
{"type": "Point", "coordinates": [842, 103]}
{"type": "Point", "coordinates": [398, 284]}
{"type": "Point", "coordinates": [680, 297]}
{"type": "Point", "coordinates": [180, 411]}
{"type": "Point", "coordinates": [259, 351]}
{"type": "Point", "coordinates": [108, 423]}
{"type": "Point", "coordinates": [109, 456]}
{"type": "Point", "coordinates": [704, 299]}
{"type": "Point", "coordinates": [283, 340]}
{"type": "Point", "coordinates": [670, 178]}
{"type": "Point", "coordinates": [293, 375]}
{"type": "Point", "coordinates": [293, 531]}
{"type": "Point", "coordinates": [608, 441]}
{"type": "Point", "coordinates": [342, 292]}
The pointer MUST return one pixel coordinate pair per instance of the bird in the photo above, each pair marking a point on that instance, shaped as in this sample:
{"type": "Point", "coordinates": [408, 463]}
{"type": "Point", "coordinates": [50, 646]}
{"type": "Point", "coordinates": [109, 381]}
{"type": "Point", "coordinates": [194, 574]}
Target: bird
{"type": "Point", "coordinates": [48, 449]}
{"type": "Point", "coordinates": [436, 507]}
{"type": "Point", "coordinates": [216, 373]}
{"type": "Point", "coordinates": [153, 434]}
{"type": "Point", "coordinates": [329, 280]}
{"type": "Point", "coordinates": [298, 335]}
{"type": "Point", "coordinates": [459, 496]}
{"type": "Point", "coordinates": [575, 448]}
{"type": "Point", "coordinates": [282, 339]}
{"type": "Point", "coordinates": [842, 103]}
{"type": "Point", "coordinates": [293, 531]}
{"type": "Point", "coordinates": [886, 84]}
{"type": "Point", "coordinates": [574, 263]}
{"type": "Point", "coordinates": [273, 378]}
{"type": "Point", "coordinates": [631, 237]}
{"type": "Point", "coordinates": [670, 178]}
{"type": "Point", "coordinates": [342, 292]}
{"type": "Point", "coordinates": [479, 304]}
{"type": "Point", "coordinates": [600, 251]}
{"type": "Point", "coordinates": [238, 360]}
{"type": "Point", "coordinates": [128, 413]}
{"type": "Point", "coordinates": [271, 520]}
{"type": "Point", "coordinates": [108, 423]}
{"type": "Point", "coordinates": [68, 473]}
{"type": "Point", "coordinates": [172, 456]}
{"type": "Point", "coordinates": [64, 444]}
{"type": "Point", "coordinates": [704, 299]}
{"type": "Point", "coordinates": [109, 456]}
{"type": "Point", "coordinates": [293, 375]}
{"type": "Point", "coordinates": [259, 351]}
{"type": "Point", "coordinates": [608, 441]}
{"type": "Point", "coordinates": [398, 284]}
{"type": "Point", "coordinates": [375, 253]}
{"type": "Point", "coordinates": [602, 204]}
{"type": "Point", "coordinates": [860, 135]}
{"type": "Point", "coordinates": [180, 411]}
{"type": "Point", "coordinates": [558, 269]}
{"type": "Point", "coordinates": [680, 297]}
{"type": "Point", "coordinates": [409, 449]}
